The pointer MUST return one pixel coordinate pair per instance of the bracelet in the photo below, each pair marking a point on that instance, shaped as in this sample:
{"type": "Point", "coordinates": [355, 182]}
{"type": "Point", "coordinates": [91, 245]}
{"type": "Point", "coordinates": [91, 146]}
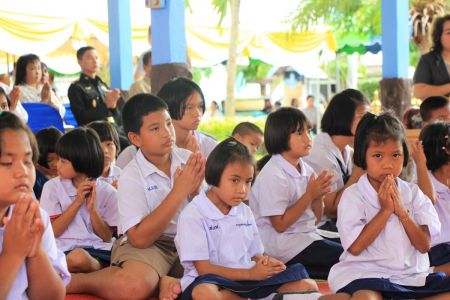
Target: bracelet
{"type": "Point", "coordinates": [404, 219]}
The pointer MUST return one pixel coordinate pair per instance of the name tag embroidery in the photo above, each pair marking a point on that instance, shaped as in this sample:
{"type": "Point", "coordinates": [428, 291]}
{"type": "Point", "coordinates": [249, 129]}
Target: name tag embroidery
{"type": "Point", "coordinates": [213, 227]}
{"type": "Point", "coordinates": [152, 188]}
{"type": "Point", "coordinates": [244, 224]}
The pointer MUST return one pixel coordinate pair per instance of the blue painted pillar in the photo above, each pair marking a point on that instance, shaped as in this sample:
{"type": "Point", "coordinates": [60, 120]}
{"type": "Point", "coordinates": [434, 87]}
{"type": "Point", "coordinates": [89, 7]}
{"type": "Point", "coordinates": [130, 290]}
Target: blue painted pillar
{"type": "Point", "coordinates": [395, 38]}
{"type": "Point", "coordinates": [168, 33]}
{"type": "Point", "coordinates": [395, 86]}
{"type": "Point", "coordinates": [168, 44]}
{"type": "Point", "coordinates": [120, 54]}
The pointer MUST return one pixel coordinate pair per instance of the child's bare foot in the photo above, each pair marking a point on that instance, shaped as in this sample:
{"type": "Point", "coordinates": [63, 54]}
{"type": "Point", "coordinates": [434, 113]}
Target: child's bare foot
{"type": "Point", "coordinates": [169, 288]}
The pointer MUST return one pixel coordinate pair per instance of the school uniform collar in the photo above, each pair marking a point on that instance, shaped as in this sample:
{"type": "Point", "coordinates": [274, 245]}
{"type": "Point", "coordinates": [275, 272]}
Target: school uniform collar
{"type": "Point", "coordinates": [68, 186]}
{"type": "Point", "coordinates": [113, 170]}
{"type": "Point", "coordinates": [371, 196]}
{"type": "Point", "coordinates": [324, 139]}
{"type": "Point", "coordinates": [209, 210]}
{"type": "Point", "coordinates": [288, 168]}
{"type": "Point", "coordinates": [147, 168]}
{"type": "Point", "coordinates": [440, 188]}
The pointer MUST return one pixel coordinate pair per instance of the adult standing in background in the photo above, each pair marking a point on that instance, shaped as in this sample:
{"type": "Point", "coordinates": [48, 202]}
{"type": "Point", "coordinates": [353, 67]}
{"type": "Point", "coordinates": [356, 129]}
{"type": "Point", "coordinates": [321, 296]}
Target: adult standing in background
{"type": "Point", "coordinates": [432, 76]}
{"type": "Point", "coordinates": [312, 113]}
{"type": "Point", "coordinates": [143, 85]}
{"type": "Point", "coordinates": [90, 98]}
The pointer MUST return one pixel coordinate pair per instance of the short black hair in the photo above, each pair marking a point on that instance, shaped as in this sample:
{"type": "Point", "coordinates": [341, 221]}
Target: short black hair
{"type": "Point", "coordinates": [46, 139]}
{"type": "Point", "coordinates": [106, 132]}
{"type": "Point", "coordinates": [227, 152]}
{"type": "Point", "coordinates": [246, 128]}
{"type": "Point", "coordinates": [9, 121]}
{"type": "Point", "coordinates": [21, 67]}
{"type": "Point", "coordinates": [176, 92]}
{"type": "Point", "coordinates": [431, 104]}
{"type": "Point", "coordinates": [436, 144]}
{"type": "Point", "coordinates": [81, 146]}
{"type": "Point", "coordinates": [83, 50]}
{"type": "Point", "coordinates": [436, 34]}
{"type": "Point", "coordinates": [378, 129]}
{"type": "Point", "coordinates": [280, 125]}
{"type": "Point", "coordinates": [339, 115]}
{"type": "Point", "coordinates": [136, 108]}
{"type": "Point", "coordinates": [147, 58]}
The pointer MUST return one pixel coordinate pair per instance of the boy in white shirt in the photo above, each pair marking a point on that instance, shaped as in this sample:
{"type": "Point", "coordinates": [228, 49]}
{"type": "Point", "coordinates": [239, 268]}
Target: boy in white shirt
{"type": "Point", "coordinates": [153, 188]}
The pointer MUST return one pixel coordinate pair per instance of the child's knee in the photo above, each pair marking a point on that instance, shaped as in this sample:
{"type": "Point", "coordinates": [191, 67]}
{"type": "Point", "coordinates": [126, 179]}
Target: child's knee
{"type": "Point", "coordinates": [78, 259]}
{"type": "Point", "coordinates": [302, 285]}
{"type": "Point", "coordinates": [205, 292]}
{"type": "Point", "coordinates": [132, 286]}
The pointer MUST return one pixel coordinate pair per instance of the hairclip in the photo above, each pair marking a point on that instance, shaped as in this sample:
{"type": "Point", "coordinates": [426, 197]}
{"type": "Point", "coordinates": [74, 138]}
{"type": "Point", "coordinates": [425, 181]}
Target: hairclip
{"type": "Point", "coordinates": [375, 117]}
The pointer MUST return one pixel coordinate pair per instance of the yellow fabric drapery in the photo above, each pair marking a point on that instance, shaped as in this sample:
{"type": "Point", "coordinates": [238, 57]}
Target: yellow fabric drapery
{"type": "Point", "coordinates": [53, 37]}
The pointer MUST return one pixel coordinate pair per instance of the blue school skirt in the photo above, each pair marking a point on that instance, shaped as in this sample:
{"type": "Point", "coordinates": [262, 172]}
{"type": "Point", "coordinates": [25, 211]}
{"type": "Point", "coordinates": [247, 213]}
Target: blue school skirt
{"type": "Point", "coordinates": [250, 289]}
{"type": "Point", "coordinates": [435, 284]}
{"type": "Point", "coordinates": [439, 255]}
{"type": "Point", "coordinates": [104, 256]}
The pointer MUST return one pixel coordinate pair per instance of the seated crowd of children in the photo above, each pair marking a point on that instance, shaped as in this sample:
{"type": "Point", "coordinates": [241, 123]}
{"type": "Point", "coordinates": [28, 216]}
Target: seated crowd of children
{"type": "Point", "coordinates": [187, 217]}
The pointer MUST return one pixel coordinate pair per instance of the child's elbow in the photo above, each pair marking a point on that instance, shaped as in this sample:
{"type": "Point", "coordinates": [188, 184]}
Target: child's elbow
{"type": "Point", "coordinates": [355, 250]}
{"type": "Point", "coordinates": [424, 248]}
{"type": "Point", "coordinates": [280, 228]}
{"type": "Point", "coordinates": [137, 242]}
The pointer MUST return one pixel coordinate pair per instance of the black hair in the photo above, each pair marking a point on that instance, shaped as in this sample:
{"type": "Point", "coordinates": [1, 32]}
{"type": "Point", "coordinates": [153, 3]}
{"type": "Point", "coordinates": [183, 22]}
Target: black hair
{"type": "Point", "coordinates": [280, 125]}
{"type": "Point", "coordinates": [262, 162]}
{"type": "Point", "coordinates": [106, 132]}
{"type": "Point", "coordinates": [436, 144]}
{"type": "Point", "coordinates": [176, 93]}
{"type": "Point", "coordinates": [339, 115]}
{"type": "Point", "coordinates": [227, 152]}
{"type": "Point", "coordinates": [246, 128]}
{"type": "Point", "coordinates": [147, 58]}
{"type": "Point", "coordinates": [136, 108]}
{"type": "Point", "coordinates": [10, 121]}
{"type": "Point", "coordinates": [3, 92]}
{"type": "Point", "coordinates": [21, 68]}
{"type": "Point", "coordinates": [81, 146]}
{"type": "Point", "coordinates": [431, 104]}
{"type": "Point", "coordinates": [46, 139]}
{"type": "Point", "coordinates": [436, 34]}
{"type": "Point", "coordinates": [378, 129]}
{"type": "Point", "coordinates": [83, 50]}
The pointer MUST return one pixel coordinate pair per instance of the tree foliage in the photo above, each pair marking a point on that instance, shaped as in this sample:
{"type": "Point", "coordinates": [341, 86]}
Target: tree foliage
{"type": "Point", "coordinates": [361, 17]}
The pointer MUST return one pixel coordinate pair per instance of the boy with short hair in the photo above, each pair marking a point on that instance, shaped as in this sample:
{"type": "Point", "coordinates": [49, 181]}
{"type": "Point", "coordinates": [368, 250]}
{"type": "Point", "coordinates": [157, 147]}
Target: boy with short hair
{"type": "Point", "coordinates": [250, 135]}
{"type": "Point", "coordinates": [153, 188]}
{"type": "Point", "coordinates": [433, 109]}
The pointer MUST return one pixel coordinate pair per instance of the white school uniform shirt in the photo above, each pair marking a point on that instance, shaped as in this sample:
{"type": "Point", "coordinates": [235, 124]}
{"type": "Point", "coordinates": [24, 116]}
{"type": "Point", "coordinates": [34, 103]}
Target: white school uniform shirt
{"type": "Point", "coordinates": [56, 257]}
{"type": "Point", "coordinates": [30, 94]}
{"type": "Point", "coordinates": [126, 156]}
{"type": "Point", "coordinates": [114, 174]}
{"type": "Point", "coordinates": [205, 233]}
{"type": "Point", "coordinates": [58, 194]}
{"type": "Point", "coordinates": [442, 207]}
{"type": "Point", "coordinates": [205, 142]}
{"type": "Point", "coordinates": [391, 255]}
{"type": "Point", "coordinates": [143, 187]}
{"type": "Point", "coordinates": [325, 155]}
{"type": "Point", "coordinates": [277, 187]}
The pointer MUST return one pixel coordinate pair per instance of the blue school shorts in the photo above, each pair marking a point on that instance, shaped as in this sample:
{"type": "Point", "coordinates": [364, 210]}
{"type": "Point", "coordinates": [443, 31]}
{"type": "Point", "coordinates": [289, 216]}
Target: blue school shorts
{"type": "Point", "coordinates": [439, 255]}
{"type": "Point", "coordinates": [249, 289]}
{"type": "Point", "coordinates": [319, 257]}
{"type": "Point", "coordinates": [435, 284]}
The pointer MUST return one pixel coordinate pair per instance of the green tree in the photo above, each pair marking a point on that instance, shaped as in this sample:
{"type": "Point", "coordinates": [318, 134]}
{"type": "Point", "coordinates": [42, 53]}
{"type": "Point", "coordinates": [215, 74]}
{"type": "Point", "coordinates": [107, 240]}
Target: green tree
{"type": "Point", "coordinates": [221, 7]}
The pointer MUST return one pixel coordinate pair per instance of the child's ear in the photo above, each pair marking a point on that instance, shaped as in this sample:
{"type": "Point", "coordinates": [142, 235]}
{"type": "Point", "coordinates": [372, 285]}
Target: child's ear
{"type": "Point", "coordinates": [135, 139]}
